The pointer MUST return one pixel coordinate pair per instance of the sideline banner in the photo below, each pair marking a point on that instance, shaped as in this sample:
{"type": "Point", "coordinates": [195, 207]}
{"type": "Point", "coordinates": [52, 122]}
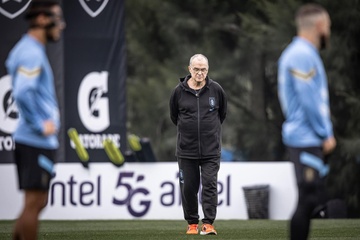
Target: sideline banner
{"type": "Point", "coordinates": [148, 191]}
{"type": "Point", "coordinates": [95, 76]}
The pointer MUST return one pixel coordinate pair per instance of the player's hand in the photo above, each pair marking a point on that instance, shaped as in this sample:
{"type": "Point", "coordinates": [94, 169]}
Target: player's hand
{"type": "Point", "coordinates": [49, 128]}
{"type": "Point", "coordinates": [329, 145]}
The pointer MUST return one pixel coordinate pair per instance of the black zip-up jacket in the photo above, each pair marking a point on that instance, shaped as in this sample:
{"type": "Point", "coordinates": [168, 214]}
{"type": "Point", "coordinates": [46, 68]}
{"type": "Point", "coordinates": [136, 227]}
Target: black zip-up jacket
{"type": "Point", "coordinates": [198, 117]}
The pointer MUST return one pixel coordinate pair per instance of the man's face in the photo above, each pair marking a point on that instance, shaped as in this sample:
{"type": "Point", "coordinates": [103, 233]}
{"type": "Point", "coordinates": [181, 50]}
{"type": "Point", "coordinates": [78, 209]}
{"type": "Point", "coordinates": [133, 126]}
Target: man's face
{"type": "Point", "coordinates": [324, 31]}
{"type": "Point", "coordinates": [199, 69]}
{"type": "Point", "coordinates": [54, 33]}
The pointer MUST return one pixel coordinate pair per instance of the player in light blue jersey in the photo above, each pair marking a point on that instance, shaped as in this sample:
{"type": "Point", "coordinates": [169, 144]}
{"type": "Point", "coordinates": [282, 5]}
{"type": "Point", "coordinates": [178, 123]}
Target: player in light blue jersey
{"type": "Point", "coordinates": [34, 93]}
{"type": "Point", "coordinates": [33, 90]}
{"type": "Point", "coordinates": [303, 93]}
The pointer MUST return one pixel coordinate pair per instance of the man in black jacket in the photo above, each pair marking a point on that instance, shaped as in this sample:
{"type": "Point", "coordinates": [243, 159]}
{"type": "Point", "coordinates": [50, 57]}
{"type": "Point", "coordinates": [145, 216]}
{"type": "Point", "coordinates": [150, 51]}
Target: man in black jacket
{"type": "Point", "coordinates": [198, 108]}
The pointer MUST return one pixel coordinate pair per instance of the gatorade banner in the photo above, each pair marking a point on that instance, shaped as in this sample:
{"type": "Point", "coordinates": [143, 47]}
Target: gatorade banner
{"type": "Point", "coordinates": [95, 76]}
{"type": "Point", "coordinates": [89, 71]}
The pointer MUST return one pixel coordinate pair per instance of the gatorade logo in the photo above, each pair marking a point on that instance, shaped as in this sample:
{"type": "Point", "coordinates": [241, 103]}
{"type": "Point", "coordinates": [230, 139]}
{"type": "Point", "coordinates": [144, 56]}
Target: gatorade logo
{"type": "Point", "coordinates": [8, 110]}
{"type": "Point", "coordinates": [13, 8]}
{"type": "Point", "coordinates": [93, 7]}
{"type": "Point", "coordinates": [93, 105]}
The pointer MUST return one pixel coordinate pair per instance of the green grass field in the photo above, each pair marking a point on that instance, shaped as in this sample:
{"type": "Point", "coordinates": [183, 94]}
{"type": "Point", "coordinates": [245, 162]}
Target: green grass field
{"type": "Point", "coordinates": [328, 229]}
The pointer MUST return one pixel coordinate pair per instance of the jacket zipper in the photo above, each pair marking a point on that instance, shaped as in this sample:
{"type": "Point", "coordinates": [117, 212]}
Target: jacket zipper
{"type": "Point", "coordinates": [197, 95]}
{"type": "Point", "coordinates": [198, 110]}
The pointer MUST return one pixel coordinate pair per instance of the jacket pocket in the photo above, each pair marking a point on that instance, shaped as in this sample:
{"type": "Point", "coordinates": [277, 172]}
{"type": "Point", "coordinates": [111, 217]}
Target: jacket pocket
{"type": "Point", "coordinates": [210, 138]}
{"type": "Point", "coordinates": [210, 144]}
{"type": "Point", "coordinates": [188, 142]}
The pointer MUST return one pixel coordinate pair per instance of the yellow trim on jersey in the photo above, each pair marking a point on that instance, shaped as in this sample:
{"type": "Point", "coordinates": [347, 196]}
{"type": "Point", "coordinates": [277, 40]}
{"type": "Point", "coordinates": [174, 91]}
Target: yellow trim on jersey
{"type": "Point", "coordinates": [302, 75]}
{"type": "Point", "coordinates": [30, 73]}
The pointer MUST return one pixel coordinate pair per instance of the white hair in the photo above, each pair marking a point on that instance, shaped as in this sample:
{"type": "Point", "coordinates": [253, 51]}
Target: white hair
{"type": "Point", "coordinates": [198, 56]}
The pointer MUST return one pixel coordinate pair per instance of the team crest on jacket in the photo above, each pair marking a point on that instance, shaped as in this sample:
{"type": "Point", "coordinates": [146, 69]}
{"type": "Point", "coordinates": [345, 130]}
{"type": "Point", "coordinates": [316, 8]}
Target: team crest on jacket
{"type": "Point", "coordinates": [212, 103]}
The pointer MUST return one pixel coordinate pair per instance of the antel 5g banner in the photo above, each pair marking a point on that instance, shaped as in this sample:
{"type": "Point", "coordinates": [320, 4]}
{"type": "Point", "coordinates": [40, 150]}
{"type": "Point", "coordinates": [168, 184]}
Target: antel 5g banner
{"type": "Point", "coordinates": [148, 191]}
{"type": "Point", "coordinates": [89, 70]}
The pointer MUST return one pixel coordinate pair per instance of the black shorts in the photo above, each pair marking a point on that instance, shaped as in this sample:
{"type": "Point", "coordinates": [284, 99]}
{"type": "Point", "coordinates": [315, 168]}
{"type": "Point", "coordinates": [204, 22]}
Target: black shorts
{"type": "Point", "coordinates": [35, 167]}
{"type": "Point", "coordinates": [314, 154]}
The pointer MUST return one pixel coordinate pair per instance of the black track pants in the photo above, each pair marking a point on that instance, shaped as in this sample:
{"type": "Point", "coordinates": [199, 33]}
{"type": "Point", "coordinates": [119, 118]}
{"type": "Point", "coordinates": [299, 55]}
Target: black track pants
{"type": "Point", "coordinates": [192, 172]}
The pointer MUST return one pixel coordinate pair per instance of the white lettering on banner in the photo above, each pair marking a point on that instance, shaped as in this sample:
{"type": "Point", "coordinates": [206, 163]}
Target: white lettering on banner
{"type": "Point", "coordinates": [89, 10]}
{"type": "Point", "coordinates": [95, 141]}
{"type": "Point", "coordinates": [149, 191]}
{"type": "Point", "coordinates": [7, 143]}
{"type": "Point", "coordinates": [93, 106]}
{"type": "Point", "coordinates": [7, 8]}
{"type": "Point", "coordinates": [8, 109]}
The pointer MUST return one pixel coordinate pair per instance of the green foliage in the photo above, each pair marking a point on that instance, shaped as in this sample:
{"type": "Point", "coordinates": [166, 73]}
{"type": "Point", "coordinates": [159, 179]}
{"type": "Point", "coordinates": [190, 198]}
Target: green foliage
{"type": "Point", "coordinates": [243, 41]}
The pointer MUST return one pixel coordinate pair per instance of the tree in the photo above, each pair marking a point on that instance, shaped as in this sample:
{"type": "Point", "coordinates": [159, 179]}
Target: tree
{"type": "Point", "coordinates": [243, 41]}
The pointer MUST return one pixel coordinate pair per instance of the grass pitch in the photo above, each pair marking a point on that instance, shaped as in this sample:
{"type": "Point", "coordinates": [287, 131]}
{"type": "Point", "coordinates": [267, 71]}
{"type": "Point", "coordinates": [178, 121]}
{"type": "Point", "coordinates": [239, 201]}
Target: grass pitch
{"type": "Point", "coordinates": [324, 229]}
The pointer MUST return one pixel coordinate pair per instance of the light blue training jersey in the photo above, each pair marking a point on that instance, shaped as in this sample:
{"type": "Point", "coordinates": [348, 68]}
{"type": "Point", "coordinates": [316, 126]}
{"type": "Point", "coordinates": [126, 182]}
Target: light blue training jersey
{"type": "Point", "coordinates": [303, 95]}
{"type": "Point", "coordinates": [34, 93]}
